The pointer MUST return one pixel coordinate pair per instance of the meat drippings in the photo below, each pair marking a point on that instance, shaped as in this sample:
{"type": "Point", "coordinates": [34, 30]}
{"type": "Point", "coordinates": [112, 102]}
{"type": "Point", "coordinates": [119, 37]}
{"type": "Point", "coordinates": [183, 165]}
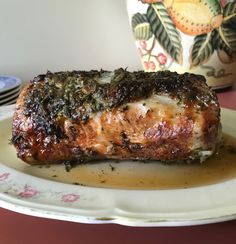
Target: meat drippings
{"type": "Point", "coordinates": [132, 174]}
{"type": "Point", "coordinates": [156, 175]}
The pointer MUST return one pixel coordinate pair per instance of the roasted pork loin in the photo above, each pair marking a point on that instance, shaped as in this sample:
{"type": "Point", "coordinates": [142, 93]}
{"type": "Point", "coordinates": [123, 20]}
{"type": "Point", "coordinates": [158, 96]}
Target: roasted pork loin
{"type": "Point", "coordinates": [87, 115]}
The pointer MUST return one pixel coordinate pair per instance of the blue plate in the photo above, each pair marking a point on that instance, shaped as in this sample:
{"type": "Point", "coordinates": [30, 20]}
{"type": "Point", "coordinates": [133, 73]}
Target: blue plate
{"type": "Point", "coordinates": [8, 82]}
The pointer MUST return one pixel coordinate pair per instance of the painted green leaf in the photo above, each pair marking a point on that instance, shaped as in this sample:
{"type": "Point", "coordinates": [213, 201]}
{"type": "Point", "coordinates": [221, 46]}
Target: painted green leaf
{"type": "Point", "coordinates": [218, 43]}
{"type": "Point", "coordinates": [228, 36]}
{"type": "Point", "coordinates": [141, 27]}
{"type": "Point", "coordinates": [165, 31]}
{"type": "Point", "coordinates": [213, 5]}
{"type": "Point", "coordinates": [229, 14]}
{"type": "Point", "coordinates": [227, 31]}
{"type": "Point", "coordinates": [215, 39]}
{"type": "Point", "coordinates": [225, 54]}
{"type": "Point", "coordinates": [202, 49]}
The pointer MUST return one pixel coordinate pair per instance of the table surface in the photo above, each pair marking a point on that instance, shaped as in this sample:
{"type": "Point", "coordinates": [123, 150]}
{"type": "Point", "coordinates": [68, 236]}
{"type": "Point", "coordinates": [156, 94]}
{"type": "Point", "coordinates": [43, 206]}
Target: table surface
{"type": "Point", "coordinates": [19, 228]}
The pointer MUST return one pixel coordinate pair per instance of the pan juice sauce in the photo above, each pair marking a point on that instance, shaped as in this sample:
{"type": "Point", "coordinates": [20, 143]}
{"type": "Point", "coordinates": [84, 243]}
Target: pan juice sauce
{"type": "Point", "coordinates": [129, 174]}
{"type": "Point", "coordinates": [149, 175]}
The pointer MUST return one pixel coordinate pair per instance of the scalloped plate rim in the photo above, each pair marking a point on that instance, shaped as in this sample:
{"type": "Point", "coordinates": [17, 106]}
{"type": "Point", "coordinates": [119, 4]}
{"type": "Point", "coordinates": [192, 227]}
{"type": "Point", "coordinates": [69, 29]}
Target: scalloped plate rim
{"type": "Point", "coordinates": [118, 212]}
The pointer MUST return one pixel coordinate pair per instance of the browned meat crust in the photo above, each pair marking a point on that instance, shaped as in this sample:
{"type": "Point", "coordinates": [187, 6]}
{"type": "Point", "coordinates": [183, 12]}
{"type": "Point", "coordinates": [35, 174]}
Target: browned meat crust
{"type": "Point", "coordinates": [79, 116]}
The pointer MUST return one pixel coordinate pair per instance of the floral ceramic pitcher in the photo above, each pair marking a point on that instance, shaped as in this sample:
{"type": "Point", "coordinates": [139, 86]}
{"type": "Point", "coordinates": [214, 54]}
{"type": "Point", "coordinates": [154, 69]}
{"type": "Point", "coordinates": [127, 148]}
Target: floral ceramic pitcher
{"type": "Point", "coordinates": [197, 36]}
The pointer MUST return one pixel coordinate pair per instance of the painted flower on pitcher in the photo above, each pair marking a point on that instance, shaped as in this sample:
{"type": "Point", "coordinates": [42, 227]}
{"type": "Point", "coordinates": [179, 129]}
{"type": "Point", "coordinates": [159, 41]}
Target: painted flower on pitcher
{"type": "Point", "coordinates": [143, 44]}
{"type": "Point", "coordinates": [28, 192]}
{"type": "Point", "coordinates": [150, 1]}
{"type": "Point", "coordinates": [4, 176]}
{"type": "Point", "coordinates": [70, 198]}
{"type": "Point", "coordinates": [223, 2]}
{"type": "Point", "coordinates": [161, 58]}
{"type": "Point", "coordinates": [149, 66]}
{"type": "Point", "coordinates": [152, 66]}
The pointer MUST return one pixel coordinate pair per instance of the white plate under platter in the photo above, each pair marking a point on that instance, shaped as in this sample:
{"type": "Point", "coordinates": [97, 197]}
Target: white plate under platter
{"type": "Point", "coordinates": [11, 98]}
{"type": "Point", "coordinates": [9, 103]}
{"type": "Point", "coordinates": [35, 196]}
{"type": "Point", "coordinates": [8, 82]}
{"type": "Point", "coordinates": [10, 92]}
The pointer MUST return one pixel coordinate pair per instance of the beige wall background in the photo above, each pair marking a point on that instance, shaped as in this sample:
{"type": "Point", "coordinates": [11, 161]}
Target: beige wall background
{"type": "Point", "coordinates": [41, 35]}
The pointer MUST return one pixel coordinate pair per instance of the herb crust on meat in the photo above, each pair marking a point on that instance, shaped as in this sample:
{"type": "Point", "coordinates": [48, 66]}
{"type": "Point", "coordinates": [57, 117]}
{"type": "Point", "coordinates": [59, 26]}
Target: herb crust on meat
{"type": "Point", "coordinates": [84, 115]}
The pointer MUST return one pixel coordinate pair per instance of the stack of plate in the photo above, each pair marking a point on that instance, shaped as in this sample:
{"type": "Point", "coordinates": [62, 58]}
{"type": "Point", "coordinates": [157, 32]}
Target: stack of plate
{"type": "Point", "coordinates": [9, 89]}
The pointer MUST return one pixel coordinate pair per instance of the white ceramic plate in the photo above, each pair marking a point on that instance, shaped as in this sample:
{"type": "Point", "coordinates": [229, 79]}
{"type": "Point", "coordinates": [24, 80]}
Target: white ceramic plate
{"type": "Point", "coordinates": [35, 196]}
